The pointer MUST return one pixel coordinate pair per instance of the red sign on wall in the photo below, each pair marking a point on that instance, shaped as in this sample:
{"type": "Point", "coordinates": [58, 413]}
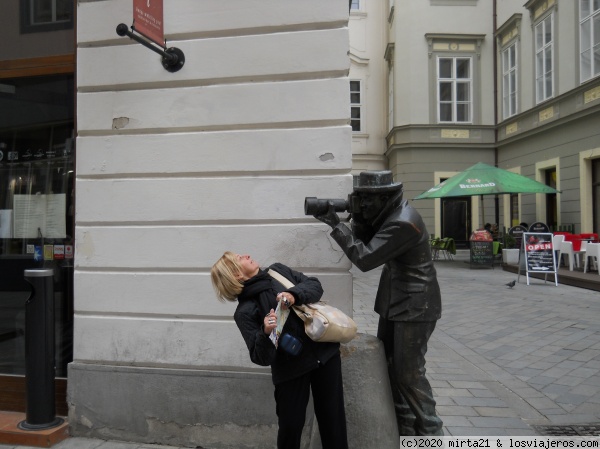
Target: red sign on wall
{"type": "Point", "coordinates": [148, 20]}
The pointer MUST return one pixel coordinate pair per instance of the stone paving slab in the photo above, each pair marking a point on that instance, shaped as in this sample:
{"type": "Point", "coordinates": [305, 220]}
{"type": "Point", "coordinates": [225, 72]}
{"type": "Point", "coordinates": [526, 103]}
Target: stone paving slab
{"type": "Point", "coordinates": [502, 360]}
{"type": "Point", "coordinates": [91, 443]}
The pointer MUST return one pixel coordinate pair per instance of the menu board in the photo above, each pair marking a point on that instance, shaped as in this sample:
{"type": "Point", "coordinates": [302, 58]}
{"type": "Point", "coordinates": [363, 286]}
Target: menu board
{"type": "Point", "coordinates": [538, 226]}
{"type": "Point", "coordinates": [517, 233]}
{"type": "Point", "coordinates": [539, 253]}
{"type": "Point", "coordinates": [482, 252]}
{"type": "Point", "coordinates": [37, 216]}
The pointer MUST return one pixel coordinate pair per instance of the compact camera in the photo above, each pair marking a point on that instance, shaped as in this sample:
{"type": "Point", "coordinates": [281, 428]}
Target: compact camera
{"type": "Point", "coordinates": [319, 206]}
{"type": "Point", "coordinates": [290, 344]}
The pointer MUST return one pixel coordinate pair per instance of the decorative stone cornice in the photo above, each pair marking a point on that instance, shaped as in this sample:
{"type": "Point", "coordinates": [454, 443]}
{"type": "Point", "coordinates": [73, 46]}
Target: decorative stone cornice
{"type": "Point", "coordinates": [454, 43]}
{"type": "Point", "coordinates": [537, 8]}
{"type": "Point", "coordinates": [358, 60]}
{"type": "Point", "coordinates": [510, 30]}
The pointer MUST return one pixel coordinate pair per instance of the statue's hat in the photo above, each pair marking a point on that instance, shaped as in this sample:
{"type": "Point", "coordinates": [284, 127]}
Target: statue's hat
{"type": "Point", "coordinates": [380, 181]}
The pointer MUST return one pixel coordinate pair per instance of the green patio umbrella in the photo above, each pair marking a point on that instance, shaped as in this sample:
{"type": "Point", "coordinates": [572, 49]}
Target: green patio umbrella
{"type": "Point", "coordinates": [483, 179]}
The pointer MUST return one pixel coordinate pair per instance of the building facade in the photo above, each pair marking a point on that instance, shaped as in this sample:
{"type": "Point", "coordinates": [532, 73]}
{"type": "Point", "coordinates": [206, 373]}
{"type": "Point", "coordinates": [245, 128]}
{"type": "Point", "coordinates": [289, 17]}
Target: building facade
{"type": "Point", "coordinates": [549, 107]}
{"type": "Point", "coordinates": [504, 83]}
{"type": "Point", "coordinates": [173, 169]}
{"type": "Point", "coordinates": [37, 160]}
{"type": "Point", "coordinates": [368, 94]}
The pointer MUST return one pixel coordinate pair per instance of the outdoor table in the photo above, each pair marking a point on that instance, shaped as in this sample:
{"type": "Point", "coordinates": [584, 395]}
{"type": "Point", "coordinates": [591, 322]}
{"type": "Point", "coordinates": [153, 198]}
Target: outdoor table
{"type": "Point", "coordinates": [590, 238]}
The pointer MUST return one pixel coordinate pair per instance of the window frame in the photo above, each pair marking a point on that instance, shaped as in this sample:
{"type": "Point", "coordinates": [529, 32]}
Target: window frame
{"type": "Point", "coordinates": [357, 106]}
{"type": "Point", "coordinates": [512, 82]}
{"type": "Point", "coordinates": [27, 25]}
{"type": "Point", "coordinates": [461, 45]}
{"type": "Point", "coordinates": [540, 55]}
{"type": "Point", "coordinates": [391, 98]}
{"type": "Point", "coordinates": [355, 5]}
{"type": "Point", "coordinates": [594, 67]}
{"type": "Point", "coordinates": [454, 81]}
{"type": "Point", "coordinates": [389, 57]}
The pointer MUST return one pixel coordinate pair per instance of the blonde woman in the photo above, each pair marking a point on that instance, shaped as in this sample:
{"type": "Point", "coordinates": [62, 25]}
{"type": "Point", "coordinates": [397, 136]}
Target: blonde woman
{"type": "Point", "coordinates": [308, 365]}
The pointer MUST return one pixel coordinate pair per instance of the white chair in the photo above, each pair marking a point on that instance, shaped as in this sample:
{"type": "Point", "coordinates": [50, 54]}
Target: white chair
{"type": "Point", "coordinates": [592, 250]}
{"type": "Point", "coordinates": [582, 251]}
{"type": "Point", "coordinates": [556, 242]}
{"type": "Point", "coordinates": [566, 249]}
{"type": "Point", "coordinates": [580, 255]}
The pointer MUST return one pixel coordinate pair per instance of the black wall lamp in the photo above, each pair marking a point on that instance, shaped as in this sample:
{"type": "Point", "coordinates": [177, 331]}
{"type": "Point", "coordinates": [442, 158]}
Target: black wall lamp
{"type": "Point", "coordinates": [172, 58]}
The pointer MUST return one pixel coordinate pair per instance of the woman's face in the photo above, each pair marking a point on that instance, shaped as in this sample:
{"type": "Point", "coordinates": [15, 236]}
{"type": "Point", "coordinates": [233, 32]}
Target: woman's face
{"type": "Point", "coordinates": [249, 266]}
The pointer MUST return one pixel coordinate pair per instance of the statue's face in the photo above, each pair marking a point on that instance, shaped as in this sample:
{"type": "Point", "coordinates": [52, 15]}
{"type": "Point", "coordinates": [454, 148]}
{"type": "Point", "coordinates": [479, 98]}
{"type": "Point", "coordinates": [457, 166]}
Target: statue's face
{"type": "Point", "coordinates": [371, 205]}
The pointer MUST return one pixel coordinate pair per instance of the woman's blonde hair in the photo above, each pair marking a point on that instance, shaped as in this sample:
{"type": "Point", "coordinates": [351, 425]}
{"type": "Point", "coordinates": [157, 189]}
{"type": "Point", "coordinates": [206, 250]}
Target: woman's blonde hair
{"type": "Point", "coordinates": [224, 276]}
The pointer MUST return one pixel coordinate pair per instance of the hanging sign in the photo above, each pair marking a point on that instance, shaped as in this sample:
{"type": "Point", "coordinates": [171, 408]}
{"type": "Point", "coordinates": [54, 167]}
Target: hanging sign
{"type": "Point", "coordinates": [148, 20]}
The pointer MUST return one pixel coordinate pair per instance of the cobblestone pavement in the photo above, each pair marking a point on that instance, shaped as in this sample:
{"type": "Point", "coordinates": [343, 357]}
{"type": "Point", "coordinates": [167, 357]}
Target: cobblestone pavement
{"type": "Point", "coordinates": [501, 361]}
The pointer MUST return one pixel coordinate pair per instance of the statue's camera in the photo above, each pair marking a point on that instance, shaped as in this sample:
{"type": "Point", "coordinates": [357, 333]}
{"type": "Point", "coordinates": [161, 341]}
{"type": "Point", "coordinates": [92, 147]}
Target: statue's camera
{"type": "Point", "coordinates": [320, 206]}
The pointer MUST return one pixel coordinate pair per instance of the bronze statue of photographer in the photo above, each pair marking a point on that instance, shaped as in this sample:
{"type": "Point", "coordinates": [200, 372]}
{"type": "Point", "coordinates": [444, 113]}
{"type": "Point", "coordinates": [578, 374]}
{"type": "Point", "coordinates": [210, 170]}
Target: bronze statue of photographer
{"type": "Point", "coordinates": [387, 231]}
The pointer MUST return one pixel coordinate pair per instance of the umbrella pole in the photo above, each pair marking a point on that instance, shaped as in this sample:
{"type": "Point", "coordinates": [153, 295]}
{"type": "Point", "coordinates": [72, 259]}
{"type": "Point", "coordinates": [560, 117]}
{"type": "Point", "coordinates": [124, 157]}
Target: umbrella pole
{"type": "Point", "coordinates": [496, 211]}
{"type": "Point", "coordinates": [482, 213]}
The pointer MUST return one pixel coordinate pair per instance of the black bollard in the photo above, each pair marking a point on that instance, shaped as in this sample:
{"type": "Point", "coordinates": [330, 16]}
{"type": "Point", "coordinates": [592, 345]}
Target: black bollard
{"type": "Point", "coordinates": [39, 352]}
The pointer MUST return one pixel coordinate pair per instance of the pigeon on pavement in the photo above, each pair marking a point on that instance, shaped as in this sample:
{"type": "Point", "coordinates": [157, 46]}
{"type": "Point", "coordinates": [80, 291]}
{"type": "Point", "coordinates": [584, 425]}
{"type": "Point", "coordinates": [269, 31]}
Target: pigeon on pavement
{"type": "Point", "coordinates": [511, 284]}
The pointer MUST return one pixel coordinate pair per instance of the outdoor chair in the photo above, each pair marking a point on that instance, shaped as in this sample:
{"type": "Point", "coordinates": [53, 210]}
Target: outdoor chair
{"type": "Point", "coordinates": [445, 246]}
{"type": "Point", "coordinates": [448, 247]}
{"type": "Point", "coordinates": [435, 245]}
{"type": "Point", "coordinates": [566, 249]}
{"type": "Point", "coordinates": [557, 240]}
{"type": "Point", "coordinates": [565, 233]}
{"type": "Point", "coordinates": [592, 250]}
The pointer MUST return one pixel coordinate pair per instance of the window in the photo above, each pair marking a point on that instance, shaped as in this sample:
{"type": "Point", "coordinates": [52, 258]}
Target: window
{"type": "Point", "coordinates": [589, 39]}
{"type": "Point", "coordinates": [46, 15]}
{"type": "Point", "coordinates": [391, 98]}
{"type": "Point", "coordinates": [389, 57]}
{"type": "Point", "coordinates": [509, 81]}
{"type": "Point", "coordinates": [455, 77]}
{"type": "Point", "coordinates": [36, 205]}
{"type": "Point", "coordinates": [454, 90]}
{"type": "Point", "coordinates": [544, 55]}
{"type": "Point", "coordinates": [355, 5]}
{"type": "Point", "coordinates": [355, 106]}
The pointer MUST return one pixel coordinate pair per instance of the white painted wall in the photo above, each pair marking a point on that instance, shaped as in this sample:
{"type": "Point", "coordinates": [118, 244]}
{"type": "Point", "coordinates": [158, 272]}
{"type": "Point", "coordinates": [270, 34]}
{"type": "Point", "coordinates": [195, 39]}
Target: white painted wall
{"type": "Point", "coordinates": [175, 168]}
{"type": "Point", "coordinates": [368, 38]}
{"type": "Point", "coordinates": [413, 19]}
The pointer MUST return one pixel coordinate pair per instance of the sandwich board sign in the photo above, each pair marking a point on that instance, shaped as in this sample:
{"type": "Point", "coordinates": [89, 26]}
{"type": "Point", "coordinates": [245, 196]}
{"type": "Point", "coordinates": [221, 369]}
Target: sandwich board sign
{"type": "Point", "coordinates": [539, 255]}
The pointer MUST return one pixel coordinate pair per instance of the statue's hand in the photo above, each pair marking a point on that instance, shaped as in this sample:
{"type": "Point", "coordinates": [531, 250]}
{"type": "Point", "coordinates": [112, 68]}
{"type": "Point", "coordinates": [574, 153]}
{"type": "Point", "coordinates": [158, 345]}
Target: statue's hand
{"type": "Point", "coordinates": [330, 218]}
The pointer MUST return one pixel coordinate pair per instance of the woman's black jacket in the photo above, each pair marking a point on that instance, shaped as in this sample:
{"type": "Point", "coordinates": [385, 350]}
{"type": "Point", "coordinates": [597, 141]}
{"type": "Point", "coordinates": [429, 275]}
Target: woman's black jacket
{"type": "Point", "coordinates": [255, 302]}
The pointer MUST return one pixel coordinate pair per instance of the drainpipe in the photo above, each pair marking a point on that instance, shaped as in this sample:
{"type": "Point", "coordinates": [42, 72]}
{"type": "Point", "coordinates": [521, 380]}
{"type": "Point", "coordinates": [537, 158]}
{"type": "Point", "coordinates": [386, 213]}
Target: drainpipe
{"type": "Point", "coordinates": [495, 64]}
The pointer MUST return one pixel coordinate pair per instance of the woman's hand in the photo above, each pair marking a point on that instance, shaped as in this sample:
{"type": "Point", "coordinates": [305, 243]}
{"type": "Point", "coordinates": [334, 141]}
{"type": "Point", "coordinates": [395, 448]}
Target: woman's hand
{"type": "Point", "coordinates": [270, 322]}
{"type": "Point", "coordinates": [286, 299]}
